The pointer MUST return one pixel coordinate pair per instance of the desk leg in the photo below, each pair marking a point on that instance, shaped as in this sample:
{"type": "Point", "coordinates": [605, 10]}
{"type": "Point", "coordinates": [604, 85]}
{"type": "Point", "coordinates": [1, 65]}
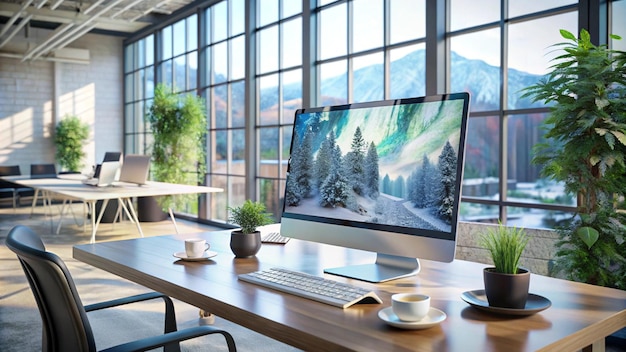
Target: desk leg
{"type": "Point", "coordinates": [95, 222]}
{"type": "Point", "coordinates": [125, 208]}
{"type": "Point", "coordinates": [35, 196]}
{"type": "Point", "coordinates": [85, 213]}
{"type": "Point", "coordinates": [62, 212]}
{"type": "Point", "coordinates": [173, 220]}
{"type": "Point", "coordinates": [597, 346]}
{"type": "Point", "coordinates": [133, 215]}
{"type": "Point", "coordinates": [206, 318]}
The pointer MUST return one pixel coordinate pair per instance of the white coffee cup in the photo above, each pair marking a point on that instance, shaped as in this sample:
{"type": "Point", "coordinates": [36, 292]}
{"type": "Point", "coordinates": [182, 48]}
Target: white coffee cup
{"type": "Point", "coordinates": [195, 247]}
{"type": "Point", "coordinates": [410, 306]}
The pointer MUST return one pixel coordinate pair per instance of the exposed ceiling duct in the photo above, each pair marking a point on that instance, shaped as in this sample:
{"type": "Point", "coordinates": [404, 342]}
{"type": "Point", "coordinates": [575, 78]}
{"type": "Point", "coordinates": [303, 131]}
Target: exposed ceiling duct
{"type": "Point", "coordinates": [70, 20]}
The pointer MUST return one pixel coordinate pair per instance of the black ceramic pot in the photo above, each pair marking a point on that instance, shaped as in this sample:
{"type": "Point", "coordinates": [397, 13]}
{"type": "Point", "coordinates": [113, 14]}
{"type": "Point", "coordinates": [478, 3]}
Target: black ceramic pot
{"type": "Point", "coordinates": [245, 245]}
{"type": "Point", "coordinates": [149, 210]}
{"type": "Point", "coordinates": [506, 290]}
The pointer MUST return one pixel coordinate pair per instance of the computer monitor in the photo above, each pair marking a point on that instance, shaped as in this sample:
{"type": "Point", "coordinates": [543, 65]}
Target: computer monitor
{"type": "Point", "coordinates": [381, 176]}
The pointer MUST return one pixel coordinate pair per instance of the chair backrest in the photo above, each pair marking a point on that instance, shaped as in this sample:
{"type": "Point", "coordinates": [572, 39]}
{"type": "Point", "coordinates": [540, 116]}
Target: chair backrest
{"type": "Point", "coordinates": [43, 170]}
{"type": "Point", "coordinates": [65, 323]}
{"type": "Point", "coordinates": [9, 170]}
{"type": "Point", "coordinates": [112, 156]}
{"type": "Point", "coordinates": [108, 156]}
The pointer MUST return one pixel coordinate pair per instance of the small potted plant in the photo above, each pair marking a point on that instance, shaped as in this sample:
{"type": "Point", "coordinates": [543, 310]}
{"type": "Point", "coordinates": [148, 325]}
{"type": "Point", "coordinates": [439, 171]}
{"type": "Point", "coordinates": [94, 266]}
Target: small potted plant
{"type": "Point", "coordinates": [506, 284]}
{"type": "Point", "coordinates": [246, 242]}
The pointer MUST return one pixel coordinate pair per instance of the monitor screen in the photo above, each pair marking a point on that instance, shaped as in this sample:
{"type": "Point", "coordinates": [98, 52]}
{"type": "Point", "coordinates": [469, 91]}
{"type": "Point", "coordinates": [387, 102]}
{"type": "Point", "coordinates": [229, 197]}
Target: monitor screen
{"type": "Point", "coordinates": [380, 176]}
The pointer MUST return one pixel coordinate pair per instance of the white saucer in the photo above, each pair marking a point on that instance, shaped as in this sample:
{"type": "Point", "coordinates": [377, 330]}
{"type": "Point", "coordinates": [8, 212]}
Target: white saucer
{"type": "Point", "coordinates": [183, 256]}
{"type": "Point", "coordinates": [434, 317]}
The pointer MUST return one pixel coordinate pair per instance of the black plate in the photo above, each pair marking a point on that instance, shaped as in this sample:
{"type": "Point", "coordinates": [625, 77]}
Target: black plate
{"type": "Point", "coordinates": [534, 304]}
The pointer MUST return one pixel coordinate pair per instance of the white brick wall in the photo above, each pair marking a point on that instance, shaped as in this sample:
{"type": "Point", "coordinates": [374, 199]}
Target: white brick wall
{"type": "Point", "coordinates": [93, 92]}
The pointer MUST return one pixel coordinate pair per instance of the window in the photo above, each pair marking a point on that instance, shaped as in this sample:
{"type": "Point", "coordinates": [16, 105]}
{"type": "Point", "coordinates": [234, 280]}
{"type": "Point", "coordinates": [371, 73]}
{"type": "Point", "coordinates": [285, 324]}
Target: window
{"type": "Point", "coordinates": [138, 91]}
{"type": "Point", "coordinates": [278, 82]}
{"type": "Point", "coordinates": [179, 54]}
{"type": "Point", "coordinates": [365, 56]}
{"type": "Point", "coordinates": [224, 91]}
{"type": "Point", "coordinates": [363, 50]}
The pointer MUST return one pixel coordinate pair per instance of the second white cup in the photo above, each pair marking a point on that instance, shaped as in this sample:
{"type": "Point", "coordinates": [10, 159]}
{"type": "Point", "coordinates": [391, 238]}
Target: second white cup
{"type": "Point", "coordinates": [195, 247]}
{"type": "Point", "coordinates": [410, 306]}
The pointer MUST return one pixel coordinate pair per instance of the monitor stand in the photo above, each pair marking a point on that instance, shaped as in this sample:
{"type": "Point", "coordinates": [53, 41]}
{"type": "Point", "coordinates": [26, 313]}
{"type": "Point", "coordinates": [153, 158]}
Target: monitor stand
{"type": "Point", "coordinates": [387, 267]}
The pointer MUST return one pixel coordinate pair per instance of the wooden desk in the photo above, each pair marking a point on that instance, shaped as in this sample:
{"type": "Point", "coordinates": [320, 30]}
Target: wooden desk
{"type": "Point", "coordinates": [581, 314]}
{"type": "Point", "coordinates": [71, 188]}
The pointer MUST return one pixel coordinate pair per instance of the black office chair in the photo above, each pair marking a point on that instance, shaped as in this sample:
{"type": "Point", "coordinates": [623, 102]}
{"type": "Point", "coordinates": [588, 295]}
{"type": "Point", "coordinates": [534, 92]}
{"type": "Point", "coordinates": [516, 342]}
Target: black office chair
{"type": "Point", "coordinates": [9, 189]}
{"type": "Point", "coordinates": [108, 156]}
{"type": "Point", "coordinates": [112, 156]}
{"type": "Point", "coordinates": [17, 192]}
{"type": "Point", "coordinates": [65, 323]}
{"type": "Point", "coordinates": [43, 171]}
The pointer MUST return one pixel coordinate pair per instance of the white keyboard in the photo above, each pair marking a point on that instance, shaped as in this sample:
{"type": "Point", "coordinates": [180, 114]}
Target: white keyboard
{"type": "Point", "coordinates": [274, 237]}
{"type": "Point", "coordinates": [316, 288]}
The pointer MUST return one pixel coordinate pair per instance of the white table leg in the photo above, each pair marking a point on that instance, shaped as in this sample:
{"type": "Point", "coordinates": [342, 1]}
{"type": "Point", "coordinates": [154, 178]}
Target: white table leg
{"type": "Point", "coordinates": [125, 208]}
{"type": "Point", "coordinates": [173, 220]}
{"type": "Point", "coordinates": [133, 215]}
{"type": "Point", "coordinates": [35, 196]}
{"type": "Point", "coordinates": [85, 212]}
{"type": "Point", "coordinates": [95, 222]}
{"type": "Point", "coordinates": [61, 215]}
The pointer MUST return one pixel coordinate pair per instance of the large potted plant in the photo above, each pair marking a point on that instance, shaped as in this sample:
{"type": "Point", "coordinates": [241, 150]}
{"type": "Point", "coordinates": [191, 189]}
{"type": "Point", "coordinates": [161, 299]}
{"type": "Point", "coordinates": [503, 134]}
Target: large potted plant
{"type": "Point", "coordinates": [506, 283]}
{"type": "Point", "coordinates": [178, 124]}
{"type": "Point", "coordinates": [246, 242]}
{"type": "Point", "coordinates": [585, 149]}
{"type": "Point", "coordinates": [69, 137]}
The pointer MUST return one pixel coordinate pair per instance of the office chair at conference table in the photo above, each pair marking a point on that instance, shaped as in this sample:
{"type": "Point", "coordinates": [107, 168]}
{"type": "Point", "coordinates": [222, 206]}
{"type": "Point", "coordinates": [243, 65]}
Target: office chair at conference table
{"type": "Point", "coordinates": [14, 191]}
{"type": "Point", "coordinates": [65, 323]}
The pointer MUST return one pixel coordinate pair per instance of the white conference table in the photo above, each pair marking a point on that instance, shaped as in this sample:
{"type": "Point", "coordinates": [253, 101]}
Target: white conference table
{"type": "Point", "coordinates": [70, 188]}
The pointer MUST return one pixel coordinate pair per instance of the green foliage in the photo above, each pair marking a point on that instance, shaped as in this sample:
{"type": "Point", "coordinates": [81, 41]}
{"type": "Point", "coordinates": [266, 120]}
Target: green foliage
{"type": "Point", "coordinates": [604, 262]}
{"type": "Point", "coordinates": [586, 129]}
{"type": "Point", "coordinates": [505, 244]}
{"type": "Point", "coordinates": [585, 148]}
{"type": "Point", "coordinates": [178, 125]}
{"type": "Point", "coordinates": [70, 135]}
{"type": "Point", "coordinates": [249, 216]}
{"type": "Point", "coordinates": [588, 235]}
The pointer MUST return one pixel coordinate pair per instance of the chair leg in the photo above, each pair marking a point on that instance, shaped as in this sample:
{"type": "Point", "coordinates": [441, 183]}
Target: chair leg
{"type": "Point", "coordinates": [170, 325]}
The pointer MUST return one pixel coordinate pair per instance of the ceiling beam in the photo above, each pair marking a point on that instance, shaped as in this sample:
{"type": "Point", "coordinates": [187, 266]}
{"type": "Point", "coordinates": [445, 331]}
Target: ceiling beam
{"type": "Point", "coordinates": [62, 17]}
{"type": "Point", "coordinates": [15, 16]}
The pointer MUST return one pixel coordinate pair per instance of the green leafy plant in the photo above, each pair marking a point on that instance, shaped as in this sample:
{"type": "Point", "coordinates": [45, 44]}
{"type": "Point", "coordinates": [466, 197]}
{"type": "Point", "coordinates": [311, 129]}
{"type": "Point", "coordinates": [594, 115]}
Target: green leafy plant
{"type": "Point", "coordinates": [178, 125]}
{"type": "Point", "coordinates": [586, 128]}
{"type": "Point", "coordinates": [249, 216]}
{"type": "Point", "coordinates": [585, 148]}
{"type": "Point", "coordinates": [69, 138]}
{"type": "Point", "coordinates": [592, 248]}
{"type": "Point", "coordinates": [505, 244]}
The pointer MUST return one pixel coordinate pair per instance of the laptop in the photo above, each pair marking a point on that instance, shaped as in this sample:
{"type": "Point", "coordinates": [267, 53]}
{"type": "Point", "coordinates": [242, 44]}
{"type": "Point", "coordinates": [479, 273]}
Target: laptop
{"type": "Point", "coordinates": [135, 169]}
{"type": "Point", "coordinates": [108, 156]}
{"type": "Point", "coordinates": [108, 174]}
